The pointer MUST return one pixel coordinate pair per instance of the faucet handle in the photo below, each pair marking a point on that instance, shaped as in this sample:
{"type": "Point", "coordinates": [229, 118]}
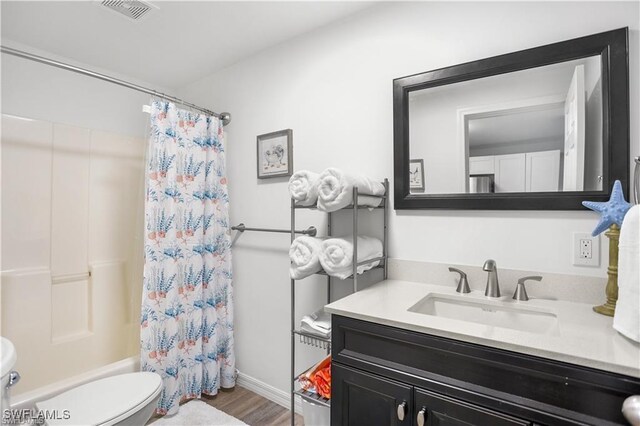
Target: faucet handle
{"type": "Point", "coordinates": [521, 291]}
{"type": "Point", "coordinates": [463, 283]}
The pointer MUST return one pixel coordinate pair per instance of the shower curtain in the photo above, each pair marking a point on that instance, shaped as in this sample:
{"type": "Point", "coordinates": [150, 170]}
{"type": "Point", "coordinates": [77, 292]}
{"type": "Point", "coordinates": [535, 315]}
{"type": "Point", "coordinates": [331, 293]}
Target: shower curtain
{"type": "Point", "coordinates": [187, 313]}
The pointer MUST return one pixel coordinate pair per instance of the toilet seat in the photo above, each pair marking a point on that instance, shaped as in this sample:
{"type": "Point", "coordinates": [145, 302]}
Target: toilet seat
{"type": "Point", "coordinates": [103, 402]}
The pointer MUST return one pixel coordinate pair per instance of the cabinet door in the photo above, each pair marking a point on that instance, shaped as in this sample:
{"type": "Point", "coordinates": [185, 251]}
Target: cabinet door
{"type": "Point", "coordinates": [359, 398]}
{"type": "Point", "coordinates": [543, 171]}
{"type": "Point", "coordinates": [433, 409]}
{"type": "Point", "coordinates": [481, 165]}
{"type": "Point", "coordinates": [510, 173]}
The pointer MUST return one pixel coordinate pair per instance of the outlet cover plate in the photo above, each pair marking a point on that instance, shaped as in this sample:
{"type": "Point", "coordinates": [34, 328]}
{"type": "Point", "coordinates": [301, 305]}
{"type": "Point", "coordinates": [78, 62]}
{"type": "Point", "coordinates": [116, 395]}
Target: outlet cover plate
{"type": "Point", "coordinates": [578, 251]}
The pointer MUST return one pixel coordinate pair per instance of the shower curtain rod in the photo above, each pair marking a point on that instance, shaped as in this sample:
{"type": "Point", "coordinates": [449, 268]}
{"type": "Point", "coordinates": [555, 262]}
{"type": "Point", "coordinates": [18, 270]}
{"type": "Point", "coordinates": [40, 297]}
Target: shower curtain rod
{"type": "Point", "coordinates": [225, 117]}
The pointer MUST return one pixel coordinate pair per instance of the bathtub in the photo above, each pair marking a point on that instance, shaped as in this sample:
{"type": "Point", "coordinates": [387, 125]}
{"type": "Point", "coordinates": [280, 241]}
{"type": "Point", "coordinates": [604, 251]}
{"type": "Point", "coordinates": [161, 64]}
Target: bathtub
{"type": "Point", "coordinates": [27, 400]}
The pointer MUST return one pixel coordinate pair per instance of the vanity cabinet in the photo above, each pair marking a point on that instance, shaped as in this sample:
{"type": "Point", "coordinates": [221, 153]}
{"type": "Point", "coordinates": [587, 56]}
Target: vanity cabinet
{"type": "Point", "coordinates": [383, 375]}
{"type": "Point", "coordinates": [435, 409]}
{"type": "Point", "coordinates": [372, 400]}
{"type": "Point", "coordinates": [369, 399]}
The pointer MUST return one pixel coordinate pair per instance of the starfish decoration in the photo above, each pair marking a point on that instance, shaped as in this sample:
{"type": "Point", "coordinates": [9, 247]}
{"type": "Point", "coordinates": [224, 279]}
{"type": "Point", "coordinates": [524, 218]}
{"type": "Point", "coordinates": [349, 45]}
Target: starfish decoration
{"type": "Point", "coordinates": [611, 212]}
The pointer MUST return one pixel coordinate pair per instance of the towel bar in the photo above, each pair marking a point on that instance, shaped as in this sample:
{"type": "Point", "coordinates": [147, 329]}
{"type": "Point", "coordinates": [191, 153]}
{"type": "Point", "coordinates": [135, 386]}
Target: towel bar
{"type": "Point", "coordinates": [69, 278]}
{"type": "Point", "coordinates": [312, 231]}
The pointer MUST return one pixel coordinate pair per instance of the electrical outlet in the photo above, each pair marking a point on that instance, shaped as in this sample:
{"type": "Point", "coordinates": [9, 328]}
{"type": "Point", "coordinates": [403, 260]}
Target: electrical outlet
{"type": "Point", "coordinates": [586, 249]}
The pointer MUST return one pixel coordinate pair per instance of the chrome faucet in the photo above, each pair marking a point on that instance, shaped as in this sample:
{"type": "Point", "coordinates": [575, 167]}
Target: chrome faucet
{"type": "Point", "coordinates": [463, 283]}
{"type": "Point", "coordinates": [493, 289]}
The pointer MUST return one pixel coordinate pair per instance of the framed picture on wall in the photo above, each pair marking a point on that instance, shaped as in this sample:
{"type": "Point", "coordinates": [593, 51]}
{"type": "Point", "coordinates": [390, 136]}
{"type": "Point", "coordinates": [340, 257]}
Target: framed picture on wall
{"type": "Point", "coordinates": [275, 154]}
{"type": "Point", "coordinates": [416, 175]}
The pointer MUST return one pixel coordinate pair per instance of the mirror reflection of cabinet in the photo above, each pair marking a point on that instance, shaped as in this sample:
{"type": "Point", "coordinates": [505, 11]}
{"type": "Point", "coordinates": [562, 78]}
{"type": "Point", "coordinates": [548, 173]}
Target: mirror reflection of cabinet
{"type": "Point", "coordinates": [543, 171]}
{"type": "Point", "coordinates": [570, 96]}
{"type": "Point", "coordinates": [524, 172]}
{"type": "Point", "coordinates": [482, 165]}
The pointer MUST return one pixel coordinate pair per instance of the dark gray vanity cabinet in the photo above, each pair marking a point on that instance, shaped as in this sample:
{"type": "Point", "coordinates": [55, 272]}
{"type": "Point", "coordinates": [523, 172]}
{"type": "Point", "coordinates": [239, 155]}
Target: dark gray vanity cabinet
{"type": "Point", "coordinates": [439, 410]}
{"type": "Point", "coordinates": [383, 375]}
{"type": "Point", "coordinates": [369, 399]}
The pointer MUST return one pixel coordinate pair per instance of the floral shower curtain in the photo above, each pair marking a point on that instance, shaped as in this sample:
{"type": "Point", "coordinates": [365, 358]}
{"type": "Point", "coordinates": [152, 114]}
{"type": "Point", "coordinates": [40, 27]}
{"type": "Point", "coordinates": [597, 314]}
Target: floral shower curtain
{"type": "Point", "coordinates": [187, 313]}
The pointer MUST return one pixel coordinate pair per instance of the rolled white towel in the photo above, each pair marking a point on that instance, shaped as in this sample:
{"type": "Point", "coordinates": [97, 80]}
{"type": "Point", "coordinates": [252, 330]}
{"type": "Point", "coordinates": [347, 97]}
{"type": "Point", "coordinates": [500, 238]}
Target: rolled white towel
{"type": "Point", "coordinates": [336, 255]}
{"type": "Point", "coordinates": [627, 315]}
{"type": "Point", "coordinates": [303, 187]}
{"type": "Point", "coordinates": [304, 254]}
{"type": "Point", "coordinates": [335, 190]}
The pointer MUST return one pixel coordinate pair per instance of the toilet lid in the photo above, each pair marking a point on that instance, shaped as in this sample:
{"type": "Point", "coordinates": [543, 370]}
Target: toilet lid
{"type": "Point", "coordinates": [98, 402]}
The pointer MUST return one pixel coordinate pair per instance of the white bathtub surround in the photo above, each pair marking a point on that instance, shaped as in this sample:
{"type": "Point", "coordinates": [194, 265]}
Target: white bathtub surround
{"type": "Point", "coordinates": [27, 400]}
{"type": "Point", "coordinates": [627, 315]}
{"type": "Point", "coordinates": [69, 232]}
{"type": "Point", "coordinates": [303, 187]}
{"type": "Point", "coordinates": [187, 324]}
{"type": "Point", "coordinates": [580, 336]}
{"type": "Point", "coordinates": [335, 190]}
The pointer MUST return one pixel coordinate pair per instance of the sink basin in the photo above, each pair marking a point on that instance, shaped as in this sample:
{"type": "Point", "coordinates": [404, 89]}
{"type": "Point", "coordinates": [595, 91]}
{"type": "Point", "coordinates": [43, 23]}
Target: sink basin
{"type": "Point", "coordinates": [496, 313]}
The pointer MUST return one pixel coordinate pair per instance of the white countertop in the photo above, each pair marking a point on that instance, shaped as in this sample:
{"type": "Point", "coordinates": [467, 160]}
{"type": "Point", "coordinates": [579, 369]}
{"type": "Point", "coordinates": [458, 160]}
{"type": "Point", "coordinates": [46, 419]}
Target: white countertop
{"type": "Point", "coordinates": [582, 337]}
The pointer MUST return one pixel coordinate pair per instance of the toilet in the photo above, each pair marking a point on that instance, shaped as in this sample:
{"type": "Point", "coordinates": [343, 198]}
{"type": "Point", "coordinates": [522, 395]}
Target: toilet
{"type": "Point", "coordinates": [125, 399]}
{"type": "Point", "coordinates": [8, 377]}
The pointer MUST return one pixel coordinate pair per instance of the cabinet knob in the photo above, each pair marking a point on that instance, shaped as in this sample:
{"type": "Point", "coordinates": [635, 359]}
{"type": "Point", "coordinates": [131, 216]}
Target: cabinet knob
{"type": "Point", "coordinates": [422, 416]}
{"type": "Point", "coordinates": [402, 410]}
{"type": "Point", "coordinates": [631, 409]}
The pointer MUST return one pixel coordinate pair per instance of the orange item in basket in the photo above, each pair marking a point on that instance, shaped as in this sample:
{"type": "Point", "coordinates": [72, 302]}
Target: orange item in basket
{"type": "Point", "coordinates": [322, 381]}
{"type": "Point", "coordinates": [318, 378]}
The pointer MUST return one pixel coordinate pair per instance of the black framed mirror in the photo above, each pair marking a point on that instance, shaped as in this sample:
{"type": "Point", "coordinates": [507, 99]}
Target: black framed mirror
{"type": "Point", "coordinates": [538, 129]}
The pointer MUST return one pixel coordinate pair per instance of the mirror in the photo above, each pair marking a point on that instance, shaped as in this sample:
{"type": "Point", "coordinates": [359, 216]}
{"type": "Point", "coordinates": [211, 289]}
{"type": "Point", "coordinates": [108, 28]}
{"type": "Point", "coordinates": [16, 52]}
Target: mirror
{"type": "Point", "coordinates": [543, 128]}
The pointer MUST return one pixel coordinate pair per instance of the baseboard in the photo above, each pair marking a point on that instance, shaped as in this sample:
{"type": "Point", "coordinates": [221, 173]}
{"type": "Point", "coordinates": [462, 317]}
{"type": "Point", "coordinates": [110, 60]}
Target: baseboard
{"type": "Point", "coordinates": [265, 390]}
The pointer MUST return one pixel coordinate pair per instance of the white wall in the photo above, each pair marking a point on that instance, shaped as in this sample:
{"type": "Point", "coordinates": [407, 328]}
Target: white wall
{"type": "Point", "coordinates": [31, 89]}
{"type": "Point", "coordinates": [333, 88]}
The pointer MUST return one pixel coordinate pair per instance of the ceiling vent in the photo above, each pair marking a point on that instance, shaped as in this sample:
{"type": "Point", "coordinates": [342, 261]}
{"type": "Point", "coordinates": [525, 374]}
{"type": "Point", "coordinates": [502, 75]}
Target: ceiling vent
{"type": "Point", "coordinates": [132, 9]}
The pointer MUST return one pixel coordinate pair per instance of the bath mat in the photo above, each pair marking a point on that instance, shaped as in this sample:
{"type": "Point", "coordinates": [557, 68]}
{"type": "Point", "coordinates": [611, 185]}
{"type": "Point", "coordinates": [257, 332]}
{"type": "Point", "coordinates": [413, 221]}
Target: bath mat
{"type": "Point", "coordinates": [198, 413]}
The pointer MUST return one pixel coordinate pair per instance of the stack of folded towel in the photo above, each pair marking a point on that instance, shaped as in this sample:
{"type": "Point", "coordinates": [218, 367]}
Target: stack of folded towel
{"type": "Point", "coordinates": [335, 255]}
{"type": "Point", "coordinates": [318, 323]}
{"type": "Point", "coordinates": [332, 190]}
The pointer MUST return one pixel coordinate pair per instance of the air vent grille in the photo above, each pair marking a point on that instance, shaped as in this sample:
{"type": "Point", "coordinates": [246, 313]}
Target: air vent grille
{"type": "Point", "coordinates": [132, 9]}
